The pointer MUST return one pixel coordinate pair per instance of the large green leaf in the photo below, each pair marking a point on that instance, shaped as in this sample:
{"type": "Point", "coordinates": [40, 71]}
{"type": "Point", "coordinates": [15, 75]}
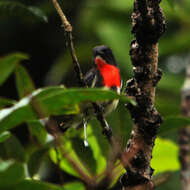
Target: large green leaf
{"type": "Point", "coordinates": [19, 10]}
{"type": "Point", "coordinates": [173, 123]}
{"type": "Point", "coordinates": [52, 100]}
{"type": "Point", "coordinates": [8, 63]}
{"type": "Point", "coordinates": [24, 83]}
{"type": "Point", "coordinates": [15, 115]}
{"type": "Point", "coordinates": [12, 175]}
{"type": "Point", "coordinates": [35, 184]}
{"type": "Point", "coordinates": [77, 95]}
{"type": "Point", "coordinates": [165, 156]}
{"type": "Point", "coordinates": [98, 147]}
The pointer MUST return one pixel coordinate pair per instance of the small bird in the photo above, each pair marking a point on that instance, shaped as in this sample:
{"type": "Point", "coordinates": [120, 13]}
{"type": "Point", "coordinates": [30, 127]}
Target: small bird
{"type": "Point", "coordinates": [104, 73]}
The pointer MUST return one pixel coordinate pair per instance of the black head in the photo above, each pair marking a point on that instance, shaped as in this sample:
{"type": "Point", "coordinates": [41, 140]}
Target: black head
{"type": "Point", "coordinates": [105, 53]}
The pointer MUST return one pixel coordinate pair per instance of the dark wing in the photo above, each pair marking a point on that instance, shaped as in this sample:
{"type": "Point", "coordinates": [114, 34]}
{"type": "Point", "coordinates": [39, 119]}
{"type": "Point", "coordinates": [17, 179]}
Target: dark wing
{"type": "Point", "coordinates": [93, 78]}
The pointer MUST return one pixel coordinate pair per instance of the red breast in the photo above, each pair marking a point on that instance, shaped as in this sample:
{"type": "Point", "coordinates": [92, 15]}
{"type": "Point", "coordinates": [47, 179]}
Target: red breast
{"type": "Point", "coordinates": [109, 73]}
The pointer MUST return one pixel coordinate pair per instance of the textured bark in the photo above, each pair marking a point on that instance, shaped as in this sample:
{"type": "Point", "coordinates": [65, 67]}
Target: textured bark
{"type": "Point", "coordinates": [148, 25]}
{"type": "Point", "coordinates": [184, 136]}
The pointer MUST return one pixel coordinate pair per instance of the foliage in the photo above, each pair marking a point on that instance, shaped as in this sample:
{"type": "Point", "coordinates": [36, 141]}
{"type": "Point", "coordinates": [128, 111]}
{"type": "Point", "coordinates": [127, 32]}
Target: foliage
{"type": "Point", "coordinates": [107, 22]}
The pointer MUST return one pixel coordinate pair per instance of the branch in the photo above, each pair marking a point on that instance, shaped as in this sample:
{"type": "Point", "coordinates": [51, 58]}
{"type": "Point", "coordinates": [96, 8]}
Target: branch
{"type": "Point", "coordinates": [68, 29]}
{"type": "Point", "coordinates": [184, 135]}
{"type": "Point", "coordinates": [148, 24]}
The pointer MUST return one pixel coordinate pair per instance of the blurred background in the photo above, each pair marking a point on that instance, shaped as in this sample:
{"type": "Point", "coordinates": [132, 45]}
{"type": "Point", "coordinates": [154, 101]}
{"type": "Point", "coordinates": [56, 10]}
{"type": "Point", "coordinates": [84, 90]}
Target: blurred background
{"type": "Point", "coordinates": [39, 34]}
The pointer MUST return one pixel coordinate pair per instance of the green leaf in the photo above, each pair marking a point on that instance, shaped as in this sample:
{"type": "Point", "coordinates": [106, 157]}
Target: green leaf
{"type": "Point", "coordinates": [8, 63]}
{"type": "Point", "coordinates": [35, 184]}
{"type": "Point", "coordinates": [35, 161]}
{"type": "Point", "coordinates": [17, 114]}
{"type": "Point", "coordinates": [173, 123]}
{"type": "Point", "coordinates": [85, 154]}
{"type": "Point", "coordinates": [103, 144]}
{"type": "Point", "coordinates": [6, 102]}
{"type": "Point", "coordinates": [99, 146]}
{"type": "Point", "coordinates": [24, 83]}
{"type": "Point", "coordinates": [12, 175]}
{"type": "Point", "coordinates": [74, 186]}
{"type": "Point", "coordinates": [53, 101]}
{"type": "Point", "coordinates": [19, 10]}
{"type": "Point", "coordinates": [66, 162]}
{"type": "Point", "coordinates": [56, 95]}
{"type": "Point", "coordinates": [4, 136]}
{"type": "Point", "coordinates": [14, 149]}
{"type": "Point", "coordinates": [37, 130]}
{"type": "Point", "coordinates": [165, 156]}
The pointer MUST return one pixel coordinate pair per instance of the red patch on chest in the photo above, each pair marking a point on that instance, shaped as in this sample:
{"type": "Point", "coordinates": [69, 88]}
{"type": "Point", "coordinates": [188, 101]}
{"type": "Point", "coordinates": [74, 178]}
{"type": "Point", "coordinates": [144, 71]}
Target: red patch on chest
{"type": "Point", "coordinates": [109, 73]}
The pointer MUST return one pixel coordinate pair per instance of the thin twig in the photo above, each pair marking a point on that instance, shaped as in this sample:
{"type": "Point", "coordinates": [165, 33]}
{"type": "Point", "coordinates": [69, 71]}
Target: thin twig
{"type": "Point", "coordinates": [68, 29]}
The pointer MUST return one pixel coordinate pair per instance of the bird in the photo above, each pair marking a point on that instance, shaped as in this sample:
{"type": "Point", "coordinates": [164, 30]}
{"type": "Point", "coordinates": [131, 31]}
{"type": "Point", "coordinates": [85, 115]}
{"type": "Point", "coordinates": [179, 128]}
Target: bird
{"type": "Point", "coordinates": [103, 74]}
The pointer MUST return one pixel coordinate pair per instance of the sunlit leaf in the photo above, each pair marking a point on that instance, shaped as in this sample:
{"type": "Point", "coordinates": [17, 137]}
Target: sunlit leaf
{"type": "Point", "coordinates": [68, 159]}
{"type": "Point", "coordinates": [165, 156]}
{"type": "Point", "coordinates": [64, 163]}
{"type": "Point", "coordinates": [99, 149]}
{"type": "Point", "coordinates": [8, 63]}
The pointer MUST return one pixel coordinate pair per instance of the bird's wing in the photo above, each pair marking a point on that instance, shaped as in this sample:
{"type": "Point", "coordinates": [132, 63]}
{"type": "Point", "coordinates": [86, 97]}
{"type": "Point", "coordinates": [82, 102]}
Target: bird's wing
{"type": "Point", "coordinates": [93, 78]}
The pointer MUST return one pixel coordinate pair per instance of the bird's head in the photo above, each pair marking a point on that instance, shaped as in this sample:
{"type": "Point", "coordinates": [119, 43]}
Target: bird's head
{"type": "Point", "coordinates": [105, 54]}
{"type": "Point", "coordinates": [105, 62]}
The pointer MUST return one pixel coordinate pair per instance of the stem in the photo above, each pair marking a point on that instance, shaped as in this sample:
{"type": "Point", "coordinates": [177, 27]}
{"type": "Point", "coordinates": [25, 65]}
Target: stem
{"type": "Point", "coordinates": [148, 25]}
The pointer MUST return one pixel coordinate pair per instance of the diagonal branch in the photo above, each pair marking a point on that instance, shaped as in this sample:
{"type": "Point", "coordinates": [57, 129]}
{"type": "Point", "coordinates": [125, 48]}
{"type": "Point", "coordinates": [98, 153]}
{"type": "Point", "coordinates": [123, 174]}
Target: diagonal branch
{"type": "Point", "coordinates": [148, 25]}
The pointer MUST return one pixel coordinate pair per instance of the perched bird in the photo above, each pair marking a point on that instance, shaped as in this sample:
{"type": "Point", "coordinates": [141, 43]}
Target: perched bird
{"type": "Point", "coordinates": [104, 73]}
